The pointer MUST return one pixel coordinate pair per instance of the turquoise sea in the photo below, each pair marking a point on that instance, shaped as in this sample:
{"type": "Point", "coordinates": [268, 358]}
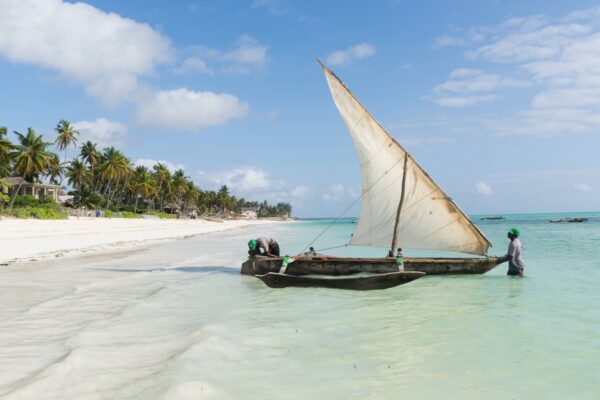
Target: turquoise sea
{"type": "Point", "coordinates": [177, 321]}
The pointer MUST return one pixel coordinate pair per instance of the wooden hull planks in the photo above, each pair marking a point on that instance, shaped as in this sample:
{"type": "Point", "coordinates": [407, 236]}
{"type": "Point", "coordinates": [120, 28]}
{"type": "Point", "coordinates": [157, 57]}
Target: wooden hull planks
{"type": "Point", "coordinates": [346, 266]}
{"type": "Point", "coordinates": [372, 282]}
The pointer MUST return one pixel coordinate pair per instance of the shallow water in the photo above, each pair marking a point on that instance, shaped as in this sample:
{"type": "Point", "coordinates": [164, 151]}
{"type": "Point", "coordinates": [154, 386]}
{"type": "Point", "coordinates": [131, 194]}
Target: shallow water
{"type": "Point", "coordinates": [177, 321]}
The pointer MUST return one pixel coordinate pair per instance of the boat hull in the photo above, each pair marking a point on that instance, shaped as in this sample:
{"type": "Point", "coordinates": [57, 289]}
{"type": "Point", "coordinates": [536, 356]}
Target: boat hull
{"type": "Point", "coordinates": [345, 266]}
{"type": "Point", "coordinates": [372, 282]}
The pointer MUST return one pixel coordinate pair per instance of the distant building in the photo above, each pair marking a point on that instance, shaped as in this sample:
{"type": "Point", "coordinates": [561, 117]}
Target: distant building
{"type": "Point", "coordinates": [250, 212]}
{"type": "Point", "coordinates": [36, 190]}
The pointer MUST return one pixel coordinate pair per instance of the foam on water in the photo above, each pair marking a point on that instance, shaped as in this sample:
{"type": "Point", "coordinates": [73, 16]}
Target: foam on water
{"type": "Point", "coordinates": [178, 321]}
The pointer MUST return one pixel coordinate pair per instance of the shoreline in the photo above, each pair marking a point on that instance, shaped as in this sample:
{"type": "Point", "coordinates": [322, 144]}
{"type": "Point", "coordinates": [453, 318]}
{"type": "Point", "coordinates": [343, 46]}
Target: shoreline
{"type": "Point", "coordinates": [30, 240]}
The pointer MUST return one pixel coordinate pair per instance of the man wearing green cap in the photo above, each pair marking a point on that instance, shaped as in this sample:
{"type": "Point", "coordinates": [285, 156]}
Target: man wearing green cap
{"type": "Point", "coordinates": [515, 261]}
{"type": "Point", "coordinates": [263, 246]}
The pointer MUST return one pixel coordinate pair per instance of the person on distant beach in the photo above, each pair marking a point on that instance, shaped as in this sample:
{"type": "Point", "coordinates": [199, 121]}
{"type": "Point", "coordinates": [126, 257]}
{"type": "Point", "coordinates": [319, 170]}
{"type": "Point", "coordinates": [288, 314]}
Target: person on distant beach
{"type": "Point", "coordinates": [515, 261]}
{"type": "Point", "coordinates": [263, 246]}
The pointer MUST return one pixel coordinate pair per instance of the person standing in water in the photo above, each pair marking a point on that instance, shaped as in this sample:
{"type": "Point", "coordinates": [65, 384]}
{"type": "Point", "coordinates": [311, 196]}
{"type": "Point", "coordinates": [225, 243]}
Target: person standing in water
{"type": "Point", "coordinates": [514, 258]}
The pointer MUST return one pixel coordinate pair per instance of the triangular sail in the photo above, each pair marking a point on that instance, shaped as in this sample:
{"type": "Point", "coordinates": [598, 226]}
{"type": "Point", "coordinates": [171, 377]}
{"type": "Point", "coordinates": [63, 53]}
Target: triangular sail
{"type": "Point", "coordinates": [429, 219]}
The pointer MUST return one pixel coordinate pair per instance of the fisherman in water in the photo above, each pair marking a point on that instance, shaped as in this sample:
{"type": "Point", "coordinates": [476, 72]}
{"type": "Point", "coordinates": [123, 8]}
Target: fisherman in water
{"type": "Point", "coordinates": [263, 246]}
{"type": "Point", "coordinates": [515, 261]}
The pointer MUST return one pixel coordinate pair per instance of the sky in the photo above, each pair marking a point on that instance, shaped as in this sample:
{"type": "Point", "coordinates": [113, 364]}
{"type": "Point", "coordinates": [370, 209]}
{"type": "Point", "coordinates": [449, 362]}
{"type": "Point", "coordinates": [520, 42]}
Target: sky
{"type": "Point", "coordinates": [498, 100]}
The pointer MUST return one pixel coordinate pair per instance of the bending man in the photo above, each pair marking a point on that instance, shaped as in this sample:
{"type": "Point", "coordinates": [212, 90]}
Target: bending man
{"type": "Point", "coordinates": [263, 246]}
{"type": "Point", "coordinates": [515, 261]}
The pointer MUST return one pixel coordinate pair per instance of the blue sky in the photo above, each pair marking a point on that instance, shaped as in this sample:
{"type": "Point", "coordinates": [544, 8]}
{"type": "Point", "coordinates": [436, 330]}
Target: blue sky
{"type": "Point", "coordinates": [498, 100]}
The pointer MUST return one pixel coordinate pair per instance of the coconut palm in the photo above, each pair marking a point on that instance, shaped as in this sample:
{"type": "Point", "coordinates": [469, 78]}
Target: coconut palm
{"type": "Point", "coordinates": [143, 185]}
{"type": "Point", "coordinates": [90, 154]}
{"type": "Point", "coordinates": [5, 149]}
{"type": "Point", "coordinates": [67, 136]}
{"type": "Point", "coordinates": [86, 197]}
{"type": "Point", "coordinates": [30, 158]}
{"type": "Point", "coordinates": [54, 169]}
{"type": "Point", "coordinates": [78, 174]}
{"type": "Point", "coordinates": [163, 180]}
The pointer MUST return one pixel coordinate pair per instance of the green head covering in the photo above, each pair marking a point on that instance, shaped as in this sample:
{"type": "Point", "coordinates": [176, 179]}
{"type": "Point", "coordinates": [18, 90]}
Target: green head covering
{"type": "Point", "coordinates": [252, 244]}
{"type": "Point", "coordinates": [515, 232]}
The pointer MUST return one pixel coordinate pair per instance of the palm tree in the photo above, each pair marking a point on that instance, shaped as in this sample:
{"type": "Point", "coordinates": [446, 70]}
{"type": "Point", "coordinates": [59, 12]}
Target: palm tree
{"type": "Point", "coordinates": [143, 185]}
{"type": "Point", "coordinates": [67, 136]}
{"type": "Point", "coordinates": [113, 166]}
{"type": "Point", "coordinates": [30, 157]}
{"type": "Point", "coordinates": [5, 149]}
{"type": "Point", "coordinates": [54, 169]}
{"type": "Point", "coordinates": [163, 178]}
{"type": "Point", "coordinates": [78, 174]}
{"type": "Point", "coordinates": [90, 154]}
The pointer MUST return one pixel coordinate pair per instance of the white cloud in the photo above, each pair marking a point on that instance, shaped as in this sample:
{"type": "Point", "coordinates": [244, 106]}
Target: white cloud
{"type": "Point", "coordinates": [446, 40]}
{"type": "Point", "coordinates": [101, 131]}
{"type": "Point", "coordinates": [483, 189]}
{"type": "Point", "coordinates": [582, 187]}
{"type": "Point", "coordinates": [183, 109]}
{"type": "Point", "coordinates": [350, 54]}
{"type": "Point", "coordinates": [104, 52]}
{"type": "Point", "coordinates": [273, 7]}
{"type": "Point", "coordinates": [335, 192]}
{"type": "Point", "coordinates": [459, 90]}
{"type": "Point", "coordinates": [463, 101]}
{"type": "Point", "coordinates": [560, 56]}
{"type": "Point", "coordinates": [248, 55]}
{"type": "Point", "coordinates": [241, 180]}
{"type": "Point", "coordinates": [300, 191]}
{"type": "Point", "coordinates": [192, 65]}
{"type": "Point", "coordinates": [110, 56]}
{"type": "Point", "coordinates": [149, 163]}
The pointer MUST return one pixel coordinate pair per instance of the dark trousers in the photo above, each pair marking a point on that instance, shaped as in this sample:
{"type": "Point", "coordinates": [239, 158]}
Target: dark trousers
{"type": "Point", "coordinates": [274, 249]}
{"type": "Point", "coordinates": [515, 272]}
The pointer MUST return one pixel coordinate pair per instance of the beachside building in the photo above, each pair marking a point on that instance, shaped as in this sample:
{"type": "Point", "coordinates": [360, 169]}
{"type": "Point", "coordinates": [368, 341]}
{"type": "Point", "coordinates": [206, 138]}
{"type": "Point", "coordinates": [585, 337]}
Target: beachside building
{"type": "Point", "coordinates": [250, 212]}
{"type": "Point", "coordinates": [36, 190]}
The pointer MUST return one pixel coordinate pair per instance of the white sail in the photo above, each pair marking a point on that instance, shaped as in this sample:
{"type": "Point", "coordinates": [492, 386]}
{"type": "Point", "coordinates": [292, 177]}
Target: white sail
{"type": "Point", "coordinates": [429, 219]}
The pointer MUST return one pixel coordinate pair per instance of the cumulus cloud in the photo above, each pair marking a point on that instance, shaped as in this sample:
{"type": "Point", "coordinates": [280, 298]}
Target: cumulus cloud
{"type": "Point", "coordinates": [150, 163]}
{"type": "Point", "coordinates": [185, 109]}
{"type": "Point", "coordinates": [446, 40]}
{"type": "Point", "coordinates": [483, 189]}
{"type": "Point", "coordinates": [104, 52]}
{"type": "Point", "coordinates": [241, 180]}
{"type": "Point", "coordinates": [101, 131]}
{"type": "Point", "coordinates": [110, 56]}
{"type": "Point", "coordinates": [560, 56]}
{"type": "Point", "coordinates": [352, 53]}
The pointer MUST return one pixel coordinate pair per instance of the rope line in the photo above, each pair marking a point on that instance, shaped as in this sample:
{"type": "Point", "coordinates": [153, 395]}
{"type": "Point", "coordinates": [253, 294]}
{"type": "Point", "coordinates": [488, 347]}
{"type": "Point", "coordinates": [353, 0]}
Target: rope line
{"type": "Point", "coordinates": [350, 206]}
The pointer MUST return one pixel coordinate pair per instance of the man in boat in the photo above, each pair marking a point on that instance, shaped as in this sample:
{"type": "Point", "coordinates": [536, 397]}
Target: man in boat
{"type": "Point", "coordinates": [263, 246]}
{"type": "Point", "coordinates": [515, 261]}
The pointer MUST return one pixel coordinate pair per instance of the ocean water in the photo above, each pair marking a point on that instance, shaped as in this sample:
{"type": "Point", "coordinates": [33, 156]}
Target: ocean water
{"type": "Point", "coordinates": [178, 321]}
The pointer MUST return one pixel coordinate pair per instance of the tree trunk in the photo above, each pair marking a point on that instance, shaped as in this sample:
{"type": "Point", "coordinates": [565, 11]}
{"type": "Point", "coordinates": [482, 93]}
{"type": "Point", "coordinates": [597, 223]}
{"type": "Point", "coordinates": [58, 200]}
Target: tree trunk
{"type": "Point", "coordinates": [16, 193]}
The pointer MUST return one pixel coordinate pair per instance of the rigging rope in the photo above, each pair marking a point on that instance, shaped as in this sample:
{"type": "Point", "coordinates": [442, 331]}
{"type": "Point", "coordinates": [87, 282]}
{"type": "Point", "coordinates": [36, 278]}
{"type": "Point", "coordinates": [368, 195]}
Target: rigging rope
{"type": "Point", "coordinates": [350, 206]}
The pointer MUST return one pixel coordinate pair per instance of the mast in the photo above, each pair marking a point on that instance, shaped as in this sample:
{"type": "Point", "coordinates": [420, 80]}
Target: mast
{"type": "Point", "coordinates": [395, 238]}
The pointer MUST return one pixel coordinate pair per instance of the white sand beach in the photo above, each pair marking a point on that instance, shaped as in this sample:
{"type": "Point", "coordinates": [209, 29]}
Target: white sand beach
{"type": "Point", "coordinates": [31, 240]}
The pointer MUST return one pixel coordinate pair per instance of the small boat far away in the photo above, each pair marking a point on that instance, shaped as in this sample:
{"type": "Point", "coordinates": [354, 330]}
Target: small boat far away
{"type": "Point", "coordinates": [569, 220]}
{"type": "Point", "coordinates": [402, 207]}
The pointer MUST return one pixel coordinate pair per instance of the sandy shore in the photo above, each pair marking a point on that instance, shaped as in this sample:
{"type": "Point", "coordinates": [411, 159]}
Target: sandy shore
{"type": "Point", "coordinates": [32, 240]}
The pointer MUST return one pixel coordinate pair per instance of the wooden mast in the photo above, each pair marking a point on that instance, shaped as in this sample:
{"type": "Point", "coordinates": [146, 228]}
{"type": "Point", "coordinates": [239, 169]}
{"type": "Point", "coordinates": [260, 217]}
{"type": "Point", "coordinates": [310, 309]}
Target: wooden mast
{"type": "Point", "coordinates": [395, 237]}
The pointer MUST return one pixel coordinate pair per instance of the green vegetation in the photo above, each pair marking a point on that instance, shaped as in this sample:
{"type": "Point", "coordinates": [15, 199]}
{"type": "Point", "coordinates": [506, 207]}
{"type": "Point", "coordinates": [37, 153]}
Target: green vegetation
{"type": "Point", "coordinates": [30, 207]}
{"type": "Point", "coordinates": [106, 179]}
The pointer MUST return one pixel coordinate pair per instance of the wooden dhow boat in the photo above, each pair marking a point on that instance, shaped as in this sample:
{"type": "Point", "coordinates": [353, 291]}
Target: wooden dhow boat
{"type": "Point", "coordinates": [401, 207]}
